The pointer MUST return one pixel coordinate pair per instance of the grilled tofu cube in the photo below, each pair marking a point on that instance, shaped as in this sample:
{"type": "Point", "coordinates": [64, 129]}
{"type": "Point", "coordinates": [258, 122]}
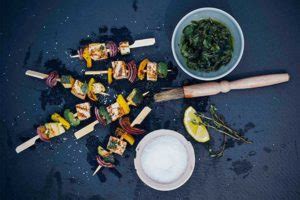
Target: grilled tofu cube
{"type": "Point", "coordinates": [67, 81]}
{"type": "Point", "coordinates": [98, 51]}
{"type": "Point", "coordinates": [54, 129]}
{"type": "Point", "coordinates": [124, 48]}
{"type": "Point", "coordinates": [116, 145]}
{"type": "Point", "coordinates": [152, 71]}
{"type": "Point", "coordinates": [83, 111]}
{"type": "Point", "coordinates": [98, 88]}
{"type": "Point", "coordinates": [119, 70]}
{"type": "Point", "coordinates": [115, 111]}
{"type": "Point", "coordinates": [79, 89]}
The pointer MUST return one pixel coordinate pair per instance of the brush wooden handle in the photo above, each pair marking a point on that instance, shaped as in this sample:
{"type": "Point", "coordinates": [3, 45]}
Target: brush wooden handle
{"type": "Point", "coordinates": [212, 88]}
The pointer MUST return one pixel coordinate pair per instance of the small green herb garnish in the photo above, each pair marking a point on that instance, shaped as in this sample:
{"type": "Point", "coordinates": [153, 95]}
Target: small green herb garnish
{"type": "Point", "coordinates": [206, 45]}
{"type": "Point", "coordinates": [113, 144]}
{"type": "Point", "coordinates": [217, 123]}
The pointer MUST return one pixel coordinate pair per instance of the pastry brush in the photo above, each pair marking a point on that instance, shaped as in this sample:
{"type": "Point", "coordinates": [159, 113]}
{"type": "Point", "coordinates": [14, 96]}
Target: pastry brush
{"type": "Point", "coordinates": [213, 88]}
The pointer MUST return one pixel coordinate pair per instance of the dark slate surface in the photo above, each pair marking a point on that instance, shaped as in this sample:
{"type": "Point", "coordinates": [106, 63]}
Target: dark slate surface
{"type": "Point", "coordinates": [37, 35]}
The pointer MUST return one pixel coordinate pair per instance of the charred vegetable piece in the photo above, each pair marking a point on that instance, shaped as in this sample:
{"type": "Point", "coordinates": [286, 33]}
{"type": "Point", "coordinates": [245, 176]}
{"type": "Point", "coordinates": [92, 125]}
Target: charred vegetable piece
{"type": "Point", "coordinates": [162, 70]}
{"type": "Point", "coordinates": [124, 135]}
{"type": "Point", "coordinates": [109, 76]}
{"type": "Point", "coordinates": [87, 57]}
{"type": "Point", "coordinates": [41, 131]}
{"type": "Point", "coordinates": [124, 105]}
{"type": "Point", "coordinates": [142, 67]}
{"type": "Point", "coordinates": [57, 118]}
{"type": "Point", "coordinates": [69, 116]}
{"type": "Point", "coordinates": [102, 115]}
{"type": "Point", "coordinates": [116, 145]}
{"type": "Point", "coordinates": [100, 118]}
{"type": "Point", "coordinates": [83, 111]}
{"type": "Point", "coordinates": [135, 97]}
{"type": "Point", "coordinates": [90, 92]}
{"type": "Point", "coordinates": [67, 81]}
{"type": "Point", "coordinates": [126, 125]}
{"type": "Point", "coordinates": [52, 79]}
{"type": "Point", "coordinates": [112, 47]}
{"type": "Point", "coordinates": [103, 163]}
{"type": "Point", "coordinates": [132, 71]}
{"type": "Point", "coordinates": [79, 89]}
{"type": "Point", "coordinates": [107, 156]}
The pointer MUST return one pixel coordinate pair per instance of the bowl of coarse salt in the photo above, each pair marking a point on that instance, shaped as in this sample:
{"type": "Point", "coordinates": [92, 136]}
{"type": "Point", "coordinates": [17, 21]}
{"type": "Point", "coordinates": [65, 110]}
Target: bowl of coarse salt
{"type": "Point", "coordinates": [164, 160]}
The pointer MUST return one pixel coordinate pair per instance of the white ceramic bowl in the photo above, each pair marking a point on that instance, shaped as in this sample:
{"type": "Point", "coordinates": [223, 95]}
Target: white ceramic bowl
{"type": "Point", "coordinates": [182, 178]}
{"type": "Point", "coordinates": [227, 20]}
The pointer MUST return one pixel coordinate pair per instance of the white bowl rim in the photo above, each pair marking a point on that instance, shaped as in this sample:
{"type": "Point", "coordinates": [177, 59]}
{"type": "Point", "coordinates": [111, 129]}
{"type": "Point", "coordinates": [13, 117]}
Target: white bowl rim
{"type": "Point", "coordinates": [165, 186]}
{"type": "Point", "coordinates": [239, 30]}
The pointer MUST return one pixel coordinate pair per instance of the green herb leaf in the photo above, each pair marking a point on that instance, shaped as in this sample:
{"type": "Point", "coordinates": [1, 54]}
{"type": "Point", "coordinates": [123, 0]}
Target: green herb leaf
{"type": "Point", "coordinates": [206, 45]}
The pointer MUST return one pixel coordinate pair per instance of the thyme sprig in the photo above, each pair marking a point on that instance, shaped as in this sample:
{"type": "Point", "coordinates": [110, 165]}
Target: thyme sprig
{"type": "Point", "coordinates": [217, 122]}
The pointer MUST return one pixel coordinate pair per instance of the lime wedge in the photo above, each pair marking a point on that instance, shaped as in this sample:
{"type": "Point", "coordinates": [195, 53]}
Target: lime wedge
{"type": "Point", "coordinates": [191, 122]}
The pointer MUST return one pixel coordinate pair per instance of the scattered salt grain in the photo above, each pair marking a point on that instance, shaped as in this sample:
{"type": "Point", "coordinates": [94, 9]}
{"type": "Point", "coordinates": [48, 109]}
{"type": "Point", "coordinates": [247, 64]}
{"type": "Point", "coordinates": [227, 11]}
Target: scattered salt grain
{"type": "Point", "coordinates": [164, 159]}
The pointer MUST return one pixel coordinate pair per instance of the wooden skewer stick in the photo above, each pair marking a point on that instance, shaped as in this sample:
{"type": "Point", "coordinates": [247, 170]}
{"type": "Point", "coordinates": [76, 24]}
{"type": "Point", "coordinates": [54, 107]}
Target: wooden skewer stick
{"type": "Point", "coordinates": [138, 120]}
{"type": "Point", "coordinates": [27, 144]}
{"type": "Point", "coordinates": [142, 43]}
{"type": "Point", "coordinates": [141, 116]}
{"type": "Point", "coordinates": [97, 170]}
{"type": "Point", "coordinates": [105, 72]}
{"type": "Point", "coordinates": [44, 76]}
{"type": "Point", "coordinates": [136, 44]}
{"type": "Point", "coordinates": [74, 56]}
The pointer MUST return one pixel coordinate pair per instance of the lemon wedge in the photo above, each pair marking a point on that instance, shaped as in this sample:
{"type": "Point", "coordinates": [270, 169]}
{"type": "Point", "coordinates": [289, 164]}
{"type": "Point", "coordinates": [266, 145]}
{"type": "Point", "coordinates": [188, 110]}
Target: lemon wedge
{"type": "Point", "coordinates": [191, 122]}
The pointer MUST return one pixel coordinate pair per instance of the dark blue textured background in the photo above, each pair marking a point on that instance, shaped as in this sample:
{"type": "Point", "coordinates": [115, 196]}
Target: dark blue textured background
{"type": "Point", "coordinates": [37, 35]}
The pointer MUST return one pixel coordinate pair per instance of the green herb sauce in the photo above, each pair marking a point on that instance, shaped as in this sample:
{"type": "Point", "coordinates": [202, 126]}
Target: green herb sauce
{"type": "Point", "coordinates": [206, 45]}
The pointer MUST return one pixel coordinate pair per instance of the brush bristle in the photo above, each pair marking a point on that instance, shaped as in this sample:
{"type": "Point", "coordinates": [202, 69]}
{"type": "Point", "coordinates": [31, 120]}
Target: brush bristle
{"type": "Point", "coordinates": [169, 95]}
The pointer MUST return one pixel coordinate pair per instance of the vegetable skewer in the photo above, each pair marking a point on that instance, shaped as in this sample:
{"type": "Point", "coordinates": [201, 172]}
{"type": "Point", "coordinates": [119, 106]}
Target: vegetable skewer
{"type": "Point", "coordinates": [78, 88]}
{"type": "Point", "coordinates": [112, 112]}
{"type": "Point", "coordinates": [105, 154]}
{"type": "Point", "coordinates": [121, 70]}
{"type": "Point", "coordinates": [102, 51]}
{"type": "Point", "coordinates": [58, 126]}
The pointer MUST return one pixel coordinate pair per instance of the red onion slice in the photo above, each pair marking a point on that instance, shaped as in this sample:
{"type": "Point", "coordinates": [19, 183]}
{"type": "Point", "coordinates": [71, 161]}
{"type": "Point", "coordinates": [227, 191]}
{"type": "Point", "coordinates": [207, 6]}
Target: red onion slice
{"type": "Point", "coordinates": [51, 80]}
{"type": "Point", "coordinates": [80, 52]}
{"type": "Point", "coordinates": [113, 48]}
{"type": "Point", "coordinates": [126, 125]}
{"type": "Point", "coordinates": [132, 71]}
{"type": "Point", "coordinates": [98, 117]}
{"type": "Point", "coordinates": [40, 132]}
{"type": "Point", "coordinates": [102, 163]}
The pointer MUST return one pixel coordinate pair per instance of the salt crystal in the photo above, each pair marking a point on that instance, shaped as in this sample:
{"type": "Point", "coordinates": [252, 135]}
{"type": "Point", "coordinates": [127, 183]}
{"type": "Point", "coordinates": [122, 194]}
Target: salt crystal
{"type": "Point", "coordinates": [164, 159]}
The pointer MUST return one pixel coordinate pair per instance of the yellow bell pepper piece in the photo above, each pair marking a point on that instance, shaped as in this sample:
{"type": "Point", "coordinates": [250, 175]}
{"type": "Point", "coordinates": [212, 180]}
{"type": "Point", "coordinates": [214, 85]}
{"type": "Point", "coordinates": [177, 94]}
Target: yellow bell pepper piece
{"type": "Point", "coordinates": [90, 93]}
{"type": "Point", "coordinates": [122, 102]}
{"type": "Point", "coordinates": [109, 76]}
{"type": "Point", "coordinates": [87, 57]}
{"type": "Point", "coordinates": [129, 138]}
{"type": "Point", "coordinates": [142, 66]}
{"type": "Point", "coordinates": [57, 118]}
